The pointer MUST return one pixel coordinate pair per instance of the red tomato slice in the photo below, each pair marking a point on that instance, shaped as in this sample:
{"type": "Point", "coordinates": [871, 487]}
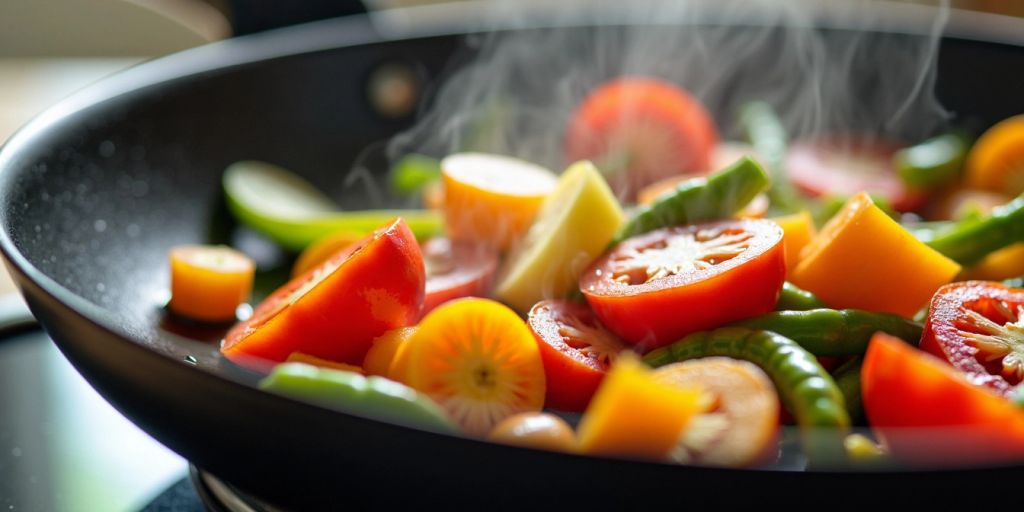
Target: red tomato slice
{"type": "Point", "coordinates": [455, 270]}
{"type": "Point", "coordinates": [335, 310]}
{"type": "Point", "coordinates": [655, 288]}
{"type": "Point", "coordinates": [928, 413]}
{"type": "Point", "coordinates": [640, 130]}
{"type": "Point", "coordinates": [978, 327]}
{"type": "Point", "coordinates": [576, 351]}
{"type": "Point", "coordinates": [847, 165]}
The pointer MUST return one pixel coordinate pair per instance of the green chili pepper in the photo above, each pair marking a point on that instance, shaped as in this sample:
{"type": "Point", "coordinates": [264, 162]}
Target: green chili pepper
{"type": "Point", "coordinates": [719, 196]}
{"type": "Point", "coordinates": [834, 332]}
{"type": "Point", "coordinates": [765, 132]}
{"type": "Point", "coordinates": [414, 172]}
{"type": "Point", "coordinates": [805, 388]}
{"type": "Point", "coordinates": [293, 213]}
{"type": "Point", "coordinates": [971, 240]}
{"type": "Point", "coordinates": [373, 397]}
{"type": "Point", "coordinates": [932, 163]}
{"type": "Point", "coordinates": [793, 298]}
{"type": "Point", "coordinates": [847, 378]}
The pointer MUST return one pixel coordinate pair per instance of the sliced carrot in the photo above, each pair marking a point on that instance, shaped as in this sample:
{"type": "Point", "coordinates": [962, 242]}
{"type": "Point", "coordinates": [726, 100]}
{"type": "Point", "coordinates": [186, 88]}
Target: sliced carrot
{"type": "Point", "coordinates": [299, 357]}
{"type": "Point", "coordinates": [478, 360]}
{"type": "Point", "coordinates": [208, 283]}
{"type": "Point", "coordinates": [996, 162]}
{"type": "Point", "coordinates": [322, 249]}
{"type": "Point", "coordinates": [865, 260]}
{"type": "Point", "coordinates": [492, 199]}
{"type": "Point", "coordinates": [798, 230]}
{"type": "Point", "coordinates": [633, 414]}
{"type": "Point", "coordinates": [742, 428]}
{"type": "Point", "coordinates": [388, 356]}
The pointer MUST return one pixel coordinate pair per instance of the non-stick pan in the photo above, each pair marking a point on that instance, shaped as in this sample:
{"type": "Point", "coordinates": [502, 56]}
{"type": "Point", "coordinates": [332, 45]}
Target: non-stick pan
{"type": "Point", "coordinates": [97, 189]}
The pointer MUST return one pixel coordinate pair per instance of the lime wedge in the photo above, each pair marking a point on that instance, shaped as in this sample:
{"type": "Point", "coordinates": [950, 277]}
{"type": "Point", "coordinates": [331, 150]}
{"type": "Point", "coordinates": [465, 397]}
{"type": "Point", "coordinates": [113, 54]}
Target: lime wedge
{"type": "Point", "coordinates": [575, 224]}
{"type": "Point", "coordinates": [293, 213]}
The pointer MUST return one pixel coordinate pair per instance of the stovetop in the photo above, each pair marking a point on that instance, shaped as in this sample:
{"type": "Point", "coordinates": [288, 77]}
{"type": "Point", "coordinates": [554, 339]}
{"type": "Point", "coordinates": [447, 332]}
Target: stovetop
{"type": "Point", "coordinates": [62, 447]}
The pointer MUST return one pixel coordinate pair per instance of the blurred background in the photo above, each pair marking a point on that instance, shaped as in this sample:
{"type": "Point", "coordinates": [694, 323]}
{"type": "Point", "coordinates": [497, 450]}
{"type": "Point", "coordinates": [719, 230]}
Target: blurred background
{"type": "Point", "coordinates": [61, 446]}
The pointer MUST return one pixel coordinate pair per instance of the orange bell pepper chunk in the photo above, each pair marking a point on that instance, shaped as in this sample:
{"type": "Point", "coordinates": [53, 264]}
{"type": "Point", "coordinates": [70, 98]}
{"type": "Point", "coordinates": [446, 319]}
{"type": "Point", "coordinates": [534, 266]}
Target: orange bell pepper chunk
{"type": "Point", "coordinates": [388, 356]}
{"type": "Point", "coordinates": [865, 260]}
{"type": "Point", "coordinates": [798, 230]}
{"type": "Point", "coordinates": [634, 414]}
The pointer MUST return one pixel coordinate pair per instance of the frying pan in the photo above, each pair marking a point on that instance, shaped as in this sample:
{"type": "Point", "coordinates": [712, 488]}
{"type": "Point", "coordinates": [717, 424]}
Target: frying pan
{"type": "Point", "coordinates": [96, 190]}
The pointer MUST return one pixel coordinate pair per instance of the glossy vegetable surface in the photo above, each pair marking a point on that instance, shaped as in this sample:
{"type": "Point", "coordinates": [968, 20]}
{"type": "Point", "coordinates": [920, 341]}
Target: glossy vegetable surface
{"type": "Point", "coordinates": [719, 196]}
{"type": "Point", "coordinates": [996, 162]}
{"type": "Point", "coordinates": [576, 350]}
{"type": "Point", "coordinates": [291, 212]}
{"type": "Point", "coordinates": [336, 310]}
{"type": "Point", "coordinates": [455, 270]}
{"type": "Point", "coordinates": [350, 392]}
{"type": "Point", "coordinates": [977, 327]}
{"type": "Point", "coordinates": [539, 430]}
{"type": "Point", "coordinates": [806, 389]}
{"type": "Point", "coordinates": [741, 428]}
{"type": "Point", "coordinates": [636, 415]}
{"type": "Point", "coordinates": [793, 298]}
{"type": "Point", "coordinates": [655, 288]}
{"type": "Point", "coordinates": [932, 163]}
{"type": "Point", "coordinates": [575, 224]}
{"type": "Point", "coordinates": [831, 332]}
{"type": "Point", "coordinates": [863, 259]}
{"type": "Point", "coordinates": [930, 414]}
{"type": "Point", "coordinates": [973, 239]}
{"type": "Point", "coordinates": [479, 361]}
{"type": "Point", "coordinates": [208, 283]}
{"type": "Point", "coordinates": [798, 231]}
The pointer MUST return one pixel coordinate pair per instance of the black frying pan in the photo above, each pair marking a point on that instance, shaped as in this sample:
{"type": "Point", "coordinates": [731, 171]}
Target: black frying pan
{"type": "Point", "coordinates": [97, 189]}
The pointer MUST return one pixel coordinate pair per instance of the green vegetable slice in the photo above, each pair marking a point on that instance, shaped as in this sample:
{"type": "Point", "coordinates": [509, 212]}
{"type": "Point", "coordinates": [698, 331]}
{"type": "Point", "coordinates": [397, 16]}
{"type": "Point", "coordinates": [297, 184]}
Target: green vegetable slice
{"type": "Point", "coordinates": [719, 196]}
{"type": "Point", "coordinates": [414, 172]}
{"type": "Point", "coordinates": [970, 240]}
{"type": "Point", "coordinates": [374, 397]}
{"type": "Point", "coordinates": [932, 163]}
{"type": "Point", "coordinates": [293, 213]}
{"type": "Point", "coordinates": [794, 298]}
{"type": "Point", "coordinates": [805, 388]}
{"type": "Point", "coordinates": [832, 332]}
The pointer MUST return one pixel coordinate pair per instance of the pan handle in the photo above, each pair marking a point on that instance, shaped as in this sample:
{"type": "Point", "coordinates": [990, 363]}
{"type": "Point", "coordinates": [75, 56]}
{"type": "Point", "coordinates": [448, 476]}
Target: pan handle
{"type": "Point", "coordinates": [248, 16]}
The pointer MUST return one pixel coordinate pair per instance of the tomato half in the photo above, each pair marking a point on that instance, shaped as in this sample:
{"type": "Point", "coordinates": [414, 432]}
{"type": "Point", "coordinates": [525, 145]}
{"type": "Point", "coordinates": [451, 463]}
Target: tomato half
{"type": "Point", "coordinates": [335, 310]}
{"type": "Point", "coordinates": [576, 351]}
{"type": "Point", "coordinates": [655, 288]}
{"type": "Point", "coordinates": [929, 413]}
{"type": "Point", "coordinates": [847, 165]}
{"type": "Point", "coordinates": [640, 130]}
{"type": "Point", "coordinates": [978, 327]}
{"type": "Point", "coordinates": [456, 269]}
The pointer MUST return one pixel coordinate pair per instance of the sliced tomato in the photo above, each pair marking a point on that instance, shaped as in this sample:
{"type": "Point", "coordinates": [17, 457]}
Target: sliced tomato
{"type": "Point", "coordinates": [978, 327]}
{"type": "Point", "coordinates": [335, 310]}
{"type": "Point", "coordinates": [455, 270]}
{"type": "Point", "coordinates": [929, 413]}
{"type": "Point", "coordinates": [576, 350]}
{"type": "Point", "coordinates": [655, 288]}
{"type": "Point", "coordinates": [845, 166]}
{"type": "Point", "coordinates": [639, 130]}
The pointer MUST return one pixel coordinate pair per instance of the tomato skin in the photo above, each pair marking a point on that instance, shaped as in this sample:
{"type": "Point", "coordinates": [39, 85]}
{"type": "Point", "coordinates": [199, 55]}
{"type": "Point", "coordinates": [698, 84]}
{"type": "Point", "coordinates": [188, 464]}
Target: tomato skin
{"type": "Point", "coordinates": [661, 311]}
{"type": "Point", "coordinates": [930, 414]}
{"type": "Point", "coordinates": [572, 376]}
{"type": "Point", "coordinates": [833, 165]}
{"type": "Point", "coordinates": [370, 287]}
{"type": "Point", "coordinates": [660, 129]}
{"type": "Point", "coordinates": [942, 337]}
{"type": "Point", "coordinates": [456, 270]}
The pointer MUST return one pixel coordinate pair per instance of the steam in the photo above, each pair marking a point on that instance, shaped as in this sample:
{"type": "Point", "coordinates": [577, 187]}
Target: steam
{"type": "Point", "coordinates": [518, 90]}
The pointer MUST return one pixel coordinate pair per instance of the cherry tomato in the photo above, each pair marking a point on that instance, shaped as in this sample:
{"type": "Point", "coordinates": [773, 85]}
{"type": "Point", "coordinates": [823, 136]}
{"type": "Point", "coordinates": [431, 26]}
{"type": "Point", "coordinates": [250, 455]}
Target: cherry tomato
{"type": "Point", "coordinates": [978, 327]}
{"type": "Point", "coordinates": [456, 269]}
{"type": "Point", "coordinates": [640, 130]}
{"type": "Point", "coordinates": [575, 349]}
{"type": "Point", "coordinates": [335, 310]}
{"type": "Point", "coordinates": [929, 413]}
{"type": "Point", "coordinates": [847, 165]}
{"type": "Point", "coordinates": [655, 288]}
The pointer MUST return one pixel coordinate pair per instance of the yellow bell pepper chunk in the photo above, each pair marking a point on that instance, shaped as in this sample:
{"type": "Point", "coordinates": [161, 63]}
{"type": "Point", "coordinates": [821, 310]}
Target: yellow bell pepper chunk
{"type": "Point", "coordinates": [863, 259]}
{"type": "Point", "coordinates": [633, 414]}
{"type": "Point", "coordinates": [798, 230]}
{"type": "Point", "coordinates": [1005, 263]}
